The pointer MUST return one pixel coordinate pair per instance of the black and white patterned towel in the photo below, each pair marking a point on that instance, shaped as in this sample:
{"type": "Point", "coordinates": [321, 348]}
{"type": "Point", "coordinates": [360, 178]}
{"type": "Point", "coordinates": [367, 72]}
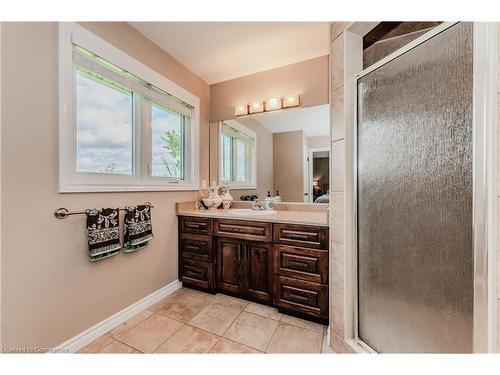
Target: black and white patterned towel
{"type": "Point", "coordinates": [137, 229]}
{"type": "Point", "coordinates": [103, 233]}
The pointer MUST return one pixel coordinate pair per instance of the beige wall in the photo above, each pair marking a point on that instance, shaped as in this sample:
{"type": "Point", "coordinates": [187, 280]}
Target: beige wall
{"type": "Point", "coordinates": [318, 142]}
{"type": "Point", "coordinates": [308, 78]}
{"type": "Point", "coordinates": [264, 152]}
{"type": "Point", "coordinates": [289, 165]}
{"type": "Point", "coordinates": [50, 291]}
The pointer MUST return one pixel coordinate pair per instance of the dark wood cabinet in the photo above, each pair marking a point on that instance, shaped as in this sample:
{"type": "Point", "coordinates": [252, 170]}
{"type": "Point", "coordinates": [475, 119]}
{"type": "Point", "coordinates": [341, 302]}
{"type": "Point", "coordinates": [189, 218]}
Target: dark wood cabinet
{"type": "Point", "coordinates": [285, 265]}
{"type": "Point", "coordinates": [196, 273]}
{"type": "Point", "coordinates": [301, 235]}
{"type": "Point", "coordinates": [302, 296]}
{"type": "Point", "coordinates": [196, 225]}
{"type": "Point", "coordinates": [258, 275]}
{"type": "Point", "coordinates": [244, 229]}
{"type": "Point", "coordinates": [196, 246]}
{"type": "Point", "coordinates": [244, 268]}
{"type": "Point", "coordinates": [301, 263]}
{"type": "Point", "coordinates": [229, 276]}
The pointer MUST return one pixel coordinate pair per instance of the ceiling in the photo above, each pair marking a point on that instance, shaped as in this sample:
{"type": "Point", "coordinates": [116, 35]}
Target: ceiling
{"type": "Point", "coordinates": [218, 51]}
{"type": "Point", "coordinates": [314, 121]}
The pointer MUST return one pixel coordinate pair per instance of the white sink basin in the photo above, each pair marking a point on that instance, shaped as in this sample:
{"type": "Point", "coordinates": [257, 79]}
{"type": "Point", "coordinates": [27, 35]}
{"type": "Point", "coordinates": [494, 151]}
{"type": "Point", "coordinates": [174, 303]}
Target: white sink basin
{"type": "Point", "coordinates": [250, 212]}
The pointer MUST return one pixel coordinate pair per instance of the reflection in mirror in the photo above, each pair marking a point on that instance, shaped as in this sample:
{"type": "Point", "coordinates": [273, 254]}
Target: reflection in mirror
{"type": "Point", "coordinates": [283, 152]}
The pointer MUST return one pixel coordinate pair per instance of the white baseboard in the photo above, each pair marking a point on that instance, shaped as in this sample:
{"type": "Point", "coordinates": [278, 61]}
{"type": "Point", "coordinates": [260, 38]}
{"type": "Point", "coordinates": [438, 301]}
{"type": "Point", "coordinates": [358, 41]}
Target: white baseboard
{"type": "Point", "coordinates": [86, 337]}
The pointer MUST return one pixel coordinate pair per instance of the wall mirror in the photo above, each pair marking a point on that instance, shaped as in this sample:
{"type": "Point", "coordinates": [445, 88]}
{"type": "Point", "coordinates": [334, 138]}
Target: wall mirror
{"type": "Point", "coordinates": [283, 152]}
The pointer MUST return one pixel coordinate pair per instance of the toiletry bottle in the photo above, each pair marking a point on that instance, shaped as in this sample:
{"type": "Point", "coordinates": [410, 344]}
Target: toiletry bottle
{"type": "Point", "coordinates": [277, 198]}
{"type": "Point", "coordinates": [269, 201]}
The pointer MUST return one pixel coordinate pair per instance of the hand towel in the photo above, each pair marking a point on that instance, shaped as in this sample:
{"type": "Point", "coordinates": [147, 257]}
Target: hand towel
{"type": "Point", "coordinates": [137, 229]}
{"type": "Point", "coordinates": [103, 233]}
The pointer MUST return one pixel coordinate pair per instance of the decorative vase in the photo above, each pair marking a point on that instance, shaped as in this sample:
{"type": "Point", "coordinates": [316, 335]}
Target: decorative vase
{"type": "Point", "coordinates": [213, 195]}
{"type": "Point", "coordinates": [227, 199]}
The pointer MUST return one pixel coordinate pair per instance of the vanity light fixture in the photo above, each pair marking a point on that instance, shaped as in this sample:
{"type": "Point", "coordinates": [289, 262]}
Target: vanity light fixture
{"type": "Point", "coordinates": [272, 104]}
{"type": "Point", "coordinates": [256, 107]}
{"type": "Point", "coordinates": [290, 101]}
{"type": "Point", "coordinates": [241, 110]}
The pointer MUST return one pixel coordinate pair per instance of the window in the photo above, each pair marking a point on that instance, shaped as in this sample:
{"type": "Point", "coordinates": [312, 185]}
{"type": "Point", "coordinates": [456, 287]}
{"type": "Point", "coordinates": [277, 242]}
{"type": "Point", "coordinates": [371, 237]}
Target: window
{"type": "Point", "coordinates": [167, 142]}
{"type": "Point", "coordinates": [104, 123]}
{"type": "Point", "coordinates": [123, 127]}
{"type": "Point", "coordinates": [237, 156]}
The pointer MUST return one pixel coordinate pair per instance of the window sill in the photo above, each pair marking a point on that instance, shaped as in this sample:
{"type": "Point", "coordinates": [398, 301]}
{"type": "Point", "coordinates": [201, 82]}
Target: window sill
{"type": "Point", "coordinates": [241, 187]}
{"type": "Point", "coordinates": [126, 188]}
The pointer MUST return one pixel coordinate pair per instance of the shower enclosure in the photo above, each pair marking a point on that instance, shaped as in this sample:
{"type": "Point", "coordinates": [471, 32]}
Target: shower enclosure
{"type": "Point", "coordinates": [414, 186]}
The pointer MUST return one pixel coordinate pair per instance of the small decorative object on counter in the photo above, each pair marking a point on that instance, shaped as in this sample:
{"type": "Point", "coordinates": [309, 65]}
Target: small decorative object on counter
{"type": "Point", "coordinates": [277, 197]}
{"type": "Point", "coordinates": [213, 200]}
{"type": "Point", "coordinates": [269, 201]}
{"type": "Point", "coordinates": [227, 199]}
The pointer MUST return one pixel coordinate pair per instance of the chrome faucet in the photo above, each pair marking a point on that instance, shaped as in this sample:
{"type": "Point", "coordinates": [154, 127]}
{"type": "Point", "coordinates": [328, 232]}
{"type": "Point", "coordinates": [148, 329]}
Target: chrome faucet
{"type": "Point", "coordinates": [257, 205]}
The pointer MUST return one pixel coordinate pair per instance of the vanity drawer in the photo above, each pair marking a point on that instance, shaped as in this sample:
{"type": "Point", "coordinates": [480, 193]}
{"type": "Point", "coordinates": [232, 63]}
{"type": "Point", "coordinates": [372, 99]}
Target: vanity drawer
{"type": "Point", "coordinates": [196, 246]}
{"type": "Point", "coordinates": [301, 235]}
{"type": "Point", "coordinates": [197, 273]}
{"type": "Point", "coordinates": [302, 296]}
{"type": "Point", "coordinates": [247, 230]}
{"type": "Point", "coordinates": [191, 224]}
{"type": "Point", "coordinates": [300, 263]}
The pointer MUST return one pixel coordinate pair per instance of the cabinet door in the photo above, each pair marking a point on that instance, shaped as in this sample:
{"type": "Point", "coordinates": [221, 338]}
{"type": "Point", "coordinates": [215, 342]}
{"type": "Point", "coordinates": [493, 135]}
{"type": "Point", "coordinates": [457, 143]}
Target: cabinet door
{"type": "Point", "coordinates": [229, 265]}
{"type": "Point", "coordinates": [258, 281]}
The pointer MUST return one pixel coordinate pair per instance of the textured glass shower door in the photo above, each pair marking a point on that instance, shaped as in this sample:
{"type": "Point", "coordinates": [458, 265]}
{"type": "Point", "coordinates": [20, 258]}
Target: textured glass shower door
{"type": "Point", "coordinates": [414, 198]}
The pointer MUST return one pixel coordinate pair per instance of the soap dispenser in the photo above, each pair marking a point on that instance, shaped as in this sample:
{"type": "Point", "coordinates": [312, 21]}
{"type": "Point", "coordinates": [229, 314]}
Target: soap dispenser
{"type": "Point", "coordinates": [269, 201]}
{"type": "Point", "coordinates": [277, 197]}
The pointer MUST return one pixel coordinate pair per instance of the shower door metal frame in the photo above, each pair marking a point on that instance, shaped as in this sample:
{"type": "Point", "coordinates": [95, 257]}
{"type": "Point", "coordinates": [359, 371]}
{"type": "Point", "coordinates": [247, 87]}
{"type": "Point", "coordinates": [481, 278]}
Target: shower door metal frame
{"type": "Point", "coordinates": [484, 186]}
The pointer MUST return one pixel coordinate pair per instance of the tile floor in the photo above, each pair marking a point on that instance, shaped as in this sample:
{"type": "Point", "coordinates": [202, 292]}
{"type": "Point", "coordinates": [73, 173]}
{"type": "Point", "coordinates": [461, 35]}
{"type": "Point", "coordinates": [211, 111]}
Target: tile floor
{"type": "Point", "coordinates": [189, 321]}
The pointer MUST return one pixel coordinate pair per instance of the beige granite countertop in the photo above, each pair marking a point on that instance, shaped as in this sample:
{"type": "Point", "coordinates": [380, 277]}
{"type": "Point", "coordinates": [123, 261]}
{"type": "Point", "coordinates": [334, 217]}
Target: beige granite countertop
{"type": "Point", "coordinates": [305, 214]}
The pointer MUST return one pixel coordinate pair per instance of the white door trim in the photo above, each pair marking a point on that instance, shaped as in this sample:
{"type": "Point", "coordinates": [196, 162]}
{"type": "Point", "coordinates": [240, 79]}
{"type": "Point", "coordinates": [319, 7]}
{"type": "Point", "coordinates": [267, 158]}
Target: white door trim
{"type": "Point", "coordinates": [310, 169]}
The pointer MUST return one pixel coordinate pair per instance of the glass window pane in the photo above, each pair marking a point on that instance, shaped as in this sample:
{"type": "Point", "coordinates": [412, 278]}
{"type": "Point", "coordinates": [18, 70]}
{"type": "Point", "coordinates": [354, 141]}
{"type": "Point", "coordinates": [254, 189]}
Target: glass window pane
{"type": "Point", "coordinates": [226, 157]}
{"type": "Point", "coordinates": [104, 126]}
{"type": "Point", "coordinates": [167, 143]}
{"type": "Point", "coordinates": [241, 161]}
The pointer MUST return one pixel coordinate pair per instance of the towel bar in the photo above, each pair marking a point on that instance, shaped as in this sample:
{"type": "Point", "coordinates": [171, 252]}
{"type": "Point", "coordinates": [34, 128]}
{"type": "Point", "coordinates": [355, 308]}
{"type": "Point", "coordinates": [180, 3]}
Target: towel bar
{"type": "Point", "coordinates": [63, 213]}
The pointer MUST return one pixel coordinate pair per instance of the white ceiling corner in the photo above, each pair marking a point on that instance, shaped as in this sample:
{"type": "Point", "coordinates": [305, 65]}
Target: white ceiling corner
{"type": "Point", "coordinates": [218, 51]}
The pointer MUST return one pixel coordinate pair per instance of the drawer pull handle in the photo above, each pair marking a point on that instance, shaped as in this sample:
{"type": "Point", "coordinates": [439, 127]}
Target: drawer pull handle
{"type": "Point", "coordinates": [194, 225]}
{"type": "Point", "coordinates": [298, 264]}
{"type": "Point", "coordinates": [299, 297]}
{"type": "Point", "coordinates": [192, 247]}
{"type": "Point", "coordinates": [194, 272]}
{"type": "Point", "coordinates": [298, 236]}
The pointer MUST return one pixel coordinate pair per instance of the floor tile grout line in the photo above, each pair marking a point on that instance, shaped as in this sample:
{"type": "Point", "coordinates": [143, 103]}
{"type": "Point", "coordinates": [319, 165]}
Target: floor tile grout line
{"type": "Point", "coordinates": [183, 324]}
{"type": "Point", "coordinates": [259, 317]}
{"type": "Point", "coordinates": [210, 351]}
{"type": "Point", "coordinates": [248, 303]}
{"type": "Point", "coordinates": [206, 303]}
{"type": "Point", "coordinates": [135, 325]}
{"type": "Point", "coordinates": [230, 325]}
{"type": "Point", "coordinates": [168, 338]}
{"type": "Point", "coordinates": [202, 329]}
{"type": "Point", "coordinates": [239, 343]}
{"type": "Point", "coordinates": [131, 347]}
{"type": "Point", "coordinates": [271, 339]}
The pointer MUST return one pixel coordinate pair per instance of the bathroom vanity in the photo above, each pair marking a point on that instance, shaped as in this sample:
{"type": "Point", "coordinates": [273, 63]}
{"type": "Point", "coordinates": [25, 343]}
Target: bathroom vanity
{"type": "Point", "coordinates": [277, 258]}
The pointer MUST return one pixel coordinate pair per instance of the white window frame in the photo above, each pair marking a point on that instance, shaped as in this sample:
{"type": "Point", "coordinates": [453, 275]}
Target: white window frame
{"type": "Point", "coordinates": [72, 181]}
{"type": "Point", "coordinates": [253, 165]}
